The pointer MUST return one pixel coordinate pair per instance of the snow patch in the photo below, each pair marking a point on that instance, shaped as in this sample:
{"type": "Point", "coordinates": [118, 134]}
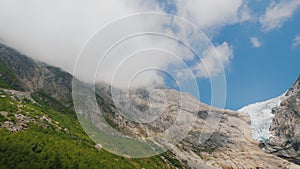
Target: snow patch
{"type": "Point", "coordinates": [261, 117]}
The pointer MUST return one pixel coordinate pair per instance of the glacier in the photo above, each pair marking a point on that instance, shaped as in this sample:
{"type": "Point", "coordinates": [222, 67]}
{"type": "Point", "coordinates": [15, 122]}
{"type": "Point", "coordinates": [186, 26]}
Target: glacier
{"type": "Point", "coordinates": [261, 117]}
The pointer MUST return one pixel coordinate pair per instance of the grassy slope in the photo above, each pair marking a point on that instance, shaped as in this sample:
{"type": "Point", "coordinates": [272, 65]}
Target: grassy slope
{"type": "Point", "coordinates": [8, 79]}
{"type": "Point", "coordinates": [40, 147]}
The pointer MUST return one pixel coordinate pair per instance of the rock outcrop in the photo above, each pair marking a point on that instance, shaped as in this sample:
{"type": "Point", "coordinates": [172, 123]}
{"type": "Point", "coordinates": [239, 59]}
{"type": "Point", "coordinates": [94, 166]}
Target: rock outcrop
{"type": "Point", "coordinates": [285, 128]}
{"type": "Point", "coordinates": [21, 115]}
{"type": "Point", "coordinates": [228, 145]}
{"type": "Point", "coordinates": [33, 76]}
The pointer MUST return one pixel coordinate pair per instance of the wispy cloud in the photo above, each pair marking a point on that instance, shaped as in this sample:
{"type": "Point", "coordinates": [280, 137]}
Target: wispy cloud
{"type": "Point", "coordinates": [278, 13]}
{"type": "Point", "coordinates": [214, 60]}
{"type": "Point", "coordinates": [296, 41]}
{"type": "Point", "coordinates": [255, 42]}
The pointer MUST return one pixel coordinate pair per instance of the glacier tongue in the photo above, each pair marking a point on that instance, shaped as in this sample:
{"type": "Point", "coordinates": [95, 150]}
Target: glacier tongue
{"type": "Point", "coordinates": [261, 116]}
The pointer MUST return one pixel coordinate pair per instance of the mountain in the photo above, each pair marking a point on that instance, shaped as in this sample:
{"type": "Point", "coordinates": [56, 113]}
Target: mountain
{"type": "Point", "coordinates": [40, 129]}
{"type": "Point", "coordinates": [275, 122]}
{"type": "Point", "coordinates": [285, 127]}
{"type": "Point", "coordinates": [38, 126]}
{"type": "Point", "coordinates": [261, 117]}
{"type": "Point", "coordinates": [22, 73]}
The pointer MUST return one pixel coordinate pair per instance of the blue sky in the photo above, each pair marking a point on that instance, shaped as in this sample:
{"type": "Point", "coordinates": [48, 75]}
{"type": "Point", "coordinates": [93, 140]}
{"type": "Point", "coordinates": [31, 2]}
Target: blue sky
{"type": "Point", "coordinates": [256, 73]}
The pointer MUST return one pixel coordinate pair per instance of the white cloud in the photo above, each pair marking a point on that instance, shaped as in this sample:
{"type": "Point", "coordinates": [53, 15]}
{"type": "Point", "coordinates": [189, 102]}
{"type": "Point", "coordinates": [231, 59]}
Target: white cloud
{"type": "Point", "coordinates": [296, 41]}
{"type": "Point", "coordinates": [255, 42]}
{"type": "Point", "coordinates": [137, 55]}
{"type": "Point", "coordinates": [245, 13]}
{"type": "Point", "coordinates": [213, 13]}
{"type": "Point", "coordinates": [214, 61]}
{"type": "Point", "coordinates": [278, 13]}
{"type": "Point", "coordinates": [55, 31]}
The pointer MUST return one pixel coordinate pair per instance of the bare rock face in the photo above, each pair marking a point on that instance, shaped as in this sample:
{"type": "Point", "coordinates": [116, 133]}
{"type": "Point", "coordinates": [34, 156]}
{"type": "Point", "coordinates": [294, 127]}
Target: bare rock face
{"type": "Point", "coordinates": [225, 144]}
{"type": "Point", "coordinates": [285, 128]}
{"type": "Point", "coordinates": [33, 76]}
{"type": "Point", "coordinates": [230, 145]}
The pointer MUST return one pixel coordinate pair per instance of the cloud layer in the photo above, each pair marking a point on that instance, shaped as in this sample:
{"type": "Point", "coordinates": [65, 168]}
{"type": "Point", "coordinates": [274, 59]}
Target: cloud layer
{"type": "Point", "coordinates": [55, 31]}
{"type": "Point", "coordinates": [278, 13]}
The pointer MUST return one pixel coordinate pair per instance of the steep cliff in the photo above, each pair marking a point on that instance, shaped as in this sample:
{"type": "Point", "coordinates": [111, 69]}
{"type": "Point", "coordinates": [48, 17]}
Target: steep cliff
{"type": "Point", "coordinates": [28, 75]}
{"type": "Point", "coordinates": [229, 145]}
{"type": "Point", "coordinates": [285, 128]}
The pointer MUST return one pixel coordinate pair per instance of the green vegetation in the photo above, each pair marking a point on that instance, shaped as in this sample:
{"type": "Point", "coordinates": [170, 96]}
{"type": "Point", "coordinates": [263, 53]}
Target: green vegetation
{"type": "Point", "coordinates": [172, 159]}
{"type": "Point", "coordinates": [53, 136]}
{"type": "Point", "coordinates": [45, 100]}
{"type": "Point", "coordinates": [41, 148]}
{"type": "Point", "coordinates": [8, 79]}
{"type": "Point", "coordinates": [2, 118]}
{"type": "Point", "coordinates": [48, 147]}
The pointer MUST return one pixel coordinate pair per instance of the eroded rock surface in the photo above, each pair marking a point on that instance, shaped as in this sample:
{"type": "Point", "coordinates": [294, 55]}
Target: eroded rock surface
{"type": "Point", "coordinates": [227, 143]}
{"type": "Point", "coordinates": [285, 128]}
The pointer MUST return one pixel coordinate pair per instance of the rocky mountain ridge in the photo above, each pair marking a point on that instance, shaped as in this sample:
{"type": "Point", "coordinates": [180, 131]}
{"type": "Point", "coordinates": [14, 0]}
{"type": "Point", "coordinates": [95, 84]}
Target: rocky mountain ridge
{"type": "Point", "coordinates": [285, 127]}
{"type": "Point", "coordinates": [33, 76]}
{"type": "Point", "coordinates": [229, 145]}
{"type": "Point", "coordinates": [39, 128]}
